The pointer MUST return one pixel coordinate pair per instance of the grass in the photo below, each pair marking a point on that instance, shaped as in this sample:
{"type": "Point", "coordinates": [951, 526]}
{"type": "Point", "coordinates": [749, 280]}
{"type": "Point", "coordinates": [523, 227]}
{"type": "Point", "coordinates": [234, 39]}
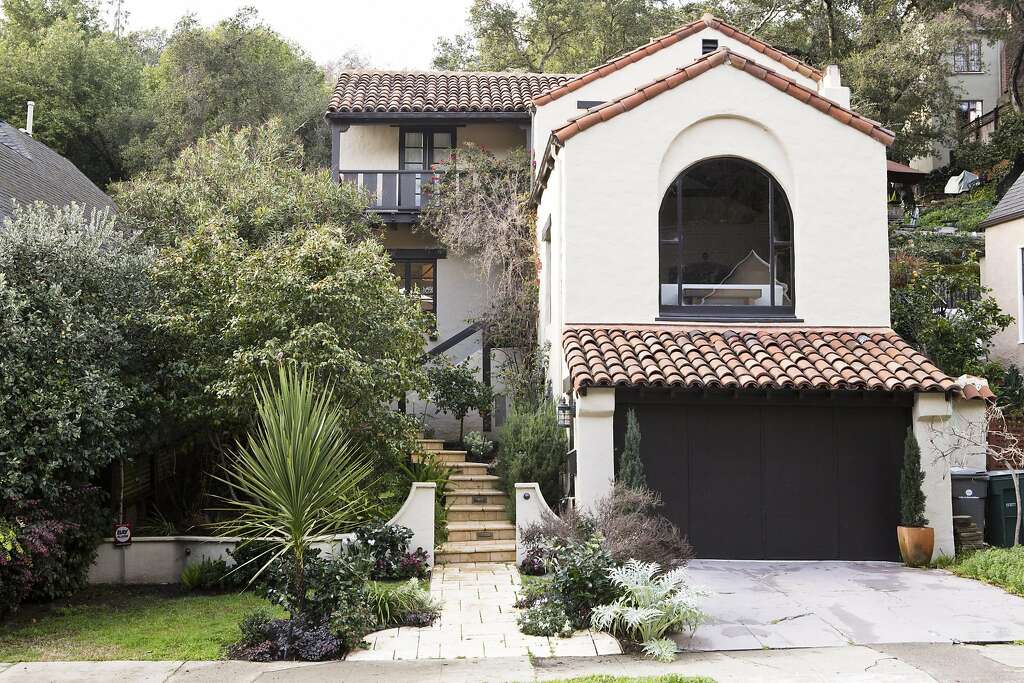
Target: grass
{"type": "Point", "coordinates": [670, 678]}
{"type": "Point", "coordinates": [127, 622]}
{"type": "Point", "coordinates": [1003, 567]}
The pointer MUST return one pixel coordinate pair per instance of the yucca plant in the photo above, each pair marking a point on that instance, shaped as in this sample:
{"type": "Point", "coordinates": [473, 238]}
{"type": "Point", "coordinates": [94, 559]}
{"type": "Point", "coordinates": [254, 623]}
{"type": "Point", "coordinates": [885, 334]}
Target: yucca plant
{"type": "Point", "coordinates": [298, 479]}
{"type": "Point", "coordinates": [651, 605]}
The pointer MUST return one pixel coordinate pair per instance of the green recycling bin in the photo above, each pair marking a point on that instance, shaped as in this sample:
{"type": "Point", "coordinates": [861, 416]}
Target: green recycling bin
{"type": "Point", "coordinates": [1001, 514]}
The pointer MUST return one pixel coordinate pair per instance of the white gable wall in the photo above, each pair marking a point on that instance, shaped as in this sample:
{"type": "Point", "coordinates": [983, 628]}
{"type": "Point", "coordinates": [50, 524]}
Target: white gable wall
{"type": "Point", "coordinates": [627, 79]}
{"type": "Point", "coordinates": [613, 177]}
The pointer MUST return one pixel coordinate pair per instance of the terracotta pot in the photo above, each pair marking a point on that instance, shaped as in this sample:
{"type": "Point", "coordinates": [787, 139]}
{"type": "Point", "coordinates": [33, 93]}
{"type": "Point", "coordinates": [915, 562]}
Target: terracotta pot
{"type": "Point", "coordinates": [916, 545]}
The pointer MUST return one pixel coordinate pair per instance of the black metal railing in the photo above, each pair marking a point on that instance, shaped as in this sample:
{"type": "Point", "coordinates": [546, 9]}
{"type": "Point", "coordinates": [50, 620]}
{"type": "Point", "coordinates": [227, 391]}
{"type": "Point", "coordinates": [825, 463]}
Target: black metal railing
{"type": "Point", "coordinates": [393, 190]}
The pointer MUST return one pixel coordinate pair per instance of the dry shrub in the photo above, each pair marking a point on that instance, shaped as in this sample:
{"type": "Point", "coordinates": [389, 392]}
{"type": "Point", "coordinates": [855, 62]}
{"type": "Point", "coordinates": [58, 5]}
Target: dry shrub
{"type": "Point", "coordinates": [629, 523]}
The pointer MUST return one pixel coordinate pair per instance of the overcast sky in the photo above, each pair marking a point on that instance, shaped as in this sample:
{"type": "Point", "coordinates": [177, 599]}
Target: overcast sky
{"type": "Point", "coordinates": [390, 33]}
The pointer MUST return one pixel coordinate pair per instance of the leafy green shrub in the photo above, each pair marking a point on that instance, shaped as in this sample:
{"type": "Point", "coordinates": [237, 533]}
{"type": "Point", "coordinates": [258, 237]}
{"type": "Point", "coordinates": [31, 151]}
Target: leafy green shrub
{"type": "Point", "coordinates": [455, 390]}
{"type": "Point", "coordinates": [911, 477]}
{"type": "Point", "coordinates": [73, 290]}
{"type": "Point", "coordinates": [388, 545]}
{"type": "Point", "coordinates": [204, 575]}
{"type": "Point", "coordinates": [265, 639]}
{"type": "Point", "coordinates": [533, 449]}
{"type": "Point", "coordinates": [403, 604]}
{"type": "Point", "coordinates": [651, 605]}
{"type": "Point", "coordinates": [478, 446]}
{"type": "Point", "coordinates": [964, 211]}
{"type": "Point", "coordinates": [581, 578]}
{"type": "Point", "coordinates": [248, 561]}
{"type": "Point", "coordinates": [545, 617]}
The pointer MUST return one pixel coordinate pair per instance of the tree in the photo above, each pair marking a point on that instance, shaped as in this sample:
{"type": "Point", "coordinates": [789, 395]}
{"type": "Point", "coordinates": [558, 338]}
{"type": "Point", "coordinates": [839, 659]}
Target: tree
{"type": "Point", "coordinates": [86, 82]}
{"type": "Point", "coordinates": [555, 35]}
{"type": "Point", "coordinates": [237, 73]}
{"type": "Point", "coordinates": [72, 292]}
{"type": "Point", "coordinates": [298, 478]}
{"type": "Point", "coordinates": [945, 313]}
{"type": "Point", "coordinates": [456, 391]}
{"type": "Point", "coordinates": [479, 207]}
{"type": "Point", "coordinates": [631, 468]}
{"type": "Point", "coordinates": [260, 262]}
{"type": "Point", "coordinates": [911, 477]}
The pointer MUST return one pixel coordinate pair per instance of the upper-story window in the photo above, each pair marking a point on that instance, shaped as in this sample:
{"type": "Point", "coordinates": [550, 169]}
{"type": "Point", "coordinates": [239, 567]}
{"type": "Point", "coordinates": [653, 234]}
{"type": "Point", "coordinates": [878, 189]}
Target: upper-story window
{"type": "Point", "coordinates": [725, 243]}
{"type": "Point", "coordinates": [421, 148]}
{"type": "Point", "coordinates": [969, 111]}
{"type": "Point", "coordinates": [967, 57]}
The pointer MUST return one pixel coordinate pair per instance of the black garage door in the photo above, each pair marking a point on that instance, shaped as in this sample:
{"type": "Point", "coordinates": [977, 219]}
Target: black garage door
{"type": "Point", "coordinates": [778, 476]}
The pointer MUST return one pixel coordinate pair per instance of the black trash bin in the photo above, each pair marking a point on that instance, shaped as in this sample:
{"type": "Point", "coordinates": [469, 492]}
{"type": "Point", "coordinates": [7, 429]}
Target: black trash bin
{"type": "Point", "coordinates": [1001, 511]}
{"type": "Point", "coordinates": [970, 489]}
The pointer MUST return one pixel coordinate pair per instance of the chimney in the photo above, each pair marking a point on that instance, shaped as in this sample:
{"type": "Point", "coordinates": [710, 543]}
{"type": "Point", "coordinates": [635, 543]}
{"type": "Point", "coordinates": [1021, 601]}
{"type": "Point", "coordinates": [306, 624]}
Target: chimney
{"type": "Point", "coordinates": [831, 87]}
{"type": "Point", "coordinates": [28, 118]}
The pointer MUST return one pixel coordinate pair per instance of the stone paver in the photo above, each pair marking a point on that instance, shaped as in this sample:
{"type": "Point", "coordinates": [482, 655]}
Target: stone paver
{"type": "Point", "coordinates": [758, 605]}
{"type": "Point", "coordinates": [477, 620]}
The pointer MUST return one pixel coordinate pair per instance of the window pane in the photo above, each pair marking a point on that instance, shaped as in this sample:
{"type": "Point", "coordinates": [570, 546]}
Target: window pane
{"type": "Point", "coordinates": [413, 140]}
{"type": "Point", "coordinates": [423, 280]}
{"type": "Point", "coordinates": [442, 140]}
{"type": "Point", "coordinates": [715, 238]}
{"type": "Point", "coordinates": [413, 156]}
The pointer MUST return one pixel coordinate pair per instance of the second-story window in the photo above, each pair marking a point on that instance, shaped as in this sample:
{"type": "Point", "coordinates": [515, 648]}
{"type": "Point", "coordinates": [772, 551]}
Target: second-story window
{"type": "Point", "coordinates": [419, 150]}
{"type": "Point", "coordinates": [725, 243]}
{"type": "Point", "coordinates": [967, 57]}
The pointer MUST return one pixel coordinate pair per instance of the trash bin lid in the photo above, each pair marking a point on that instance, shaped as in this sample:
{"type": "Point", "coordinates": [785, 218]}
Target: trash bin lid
{"type": "Point", "coordinates": [967, 472]}
{"type": "Point", "coordinates": [999, 474]}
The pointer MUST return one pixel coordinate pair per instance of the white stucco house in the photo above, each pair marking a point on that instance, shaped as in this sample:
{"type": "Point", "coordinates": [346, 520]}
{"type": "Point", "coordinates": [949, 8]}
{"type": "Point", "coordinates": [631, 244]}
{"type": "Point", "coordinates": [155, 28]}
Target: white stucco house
{"type": "Point", "coordinates": [712, 236]}
{"type": "Point", "coordinates": [1002, 270]}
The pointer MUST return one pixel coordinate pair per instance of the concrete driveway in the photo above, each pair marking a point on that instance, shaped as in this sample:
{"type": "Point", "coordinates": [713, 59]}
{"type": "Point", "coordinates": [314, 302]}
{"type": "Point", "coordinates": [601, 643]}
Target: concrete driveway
{"type": "Point", "coordinates": [755, 605]}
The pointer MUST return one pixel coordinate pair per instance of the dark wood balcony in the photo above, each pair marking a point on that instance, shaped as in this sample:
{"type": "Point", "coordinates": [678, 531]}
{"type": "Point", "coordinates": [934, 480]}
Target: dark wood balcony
{"type": "Point", "coordinates": [402, 193]}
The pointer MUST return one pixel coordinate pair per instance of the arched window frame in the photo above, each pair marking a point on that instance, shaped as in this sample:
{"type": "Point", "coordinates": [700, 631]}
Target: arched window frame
{"type": "Point", "coordinates": [776, 198]}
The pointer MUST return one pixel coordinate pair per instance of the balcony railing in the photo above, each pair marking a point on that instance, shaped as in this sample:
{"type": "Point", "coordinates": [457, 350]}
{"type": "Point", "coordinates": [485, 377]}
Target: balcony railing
{"type": "Point", "coordinates": [394, 191]}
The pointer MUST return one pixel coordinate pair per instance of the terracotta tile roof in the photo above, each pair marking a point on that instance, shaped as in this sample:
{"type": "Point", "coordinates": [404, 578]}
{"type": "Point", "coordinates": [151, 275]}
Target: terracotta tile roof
{"type": "Point", "coordinates": [620, 105]}
{"type": "Point", "coordinates": [441, 91]}
{"type": "Point", "coordinates": [750, 358]}
{"type": "Point", "coordinates": [656, 44]}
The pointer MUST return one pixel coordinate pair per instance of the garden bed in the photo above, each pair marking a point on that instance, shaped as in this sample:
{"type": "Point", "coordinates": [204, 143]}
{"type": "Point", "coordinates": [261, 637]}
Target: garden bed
{"type": "Point", "coordinates": [1003, 567]}
{"type": "Point", "coordinates": [127, 623]}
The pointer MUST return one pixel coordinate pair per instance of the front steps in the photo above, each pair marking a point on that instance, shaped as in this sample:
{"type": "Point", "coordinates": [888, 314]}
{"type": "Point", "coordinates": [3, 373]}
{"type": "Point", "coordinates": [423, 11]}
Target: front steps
{"type": "Point", "coordinates": [479, 529]}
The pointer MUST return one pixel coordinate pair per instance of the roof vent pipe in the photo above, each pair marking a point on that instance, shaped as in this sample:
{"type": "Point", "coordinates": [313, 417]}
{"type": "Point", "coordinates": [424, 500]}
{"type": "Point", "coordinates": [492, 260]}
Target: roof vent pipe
{"type": "Point", "coordinates": [28, 118]}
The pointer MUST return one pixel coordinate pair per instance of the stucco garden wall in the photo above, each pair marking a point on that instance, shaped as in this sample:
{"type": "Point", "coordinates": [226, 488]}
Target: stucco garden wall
{"type": "Point", "coordinates": [615, 175]}
{"type": "Point", "coordinates": [1001, 272]}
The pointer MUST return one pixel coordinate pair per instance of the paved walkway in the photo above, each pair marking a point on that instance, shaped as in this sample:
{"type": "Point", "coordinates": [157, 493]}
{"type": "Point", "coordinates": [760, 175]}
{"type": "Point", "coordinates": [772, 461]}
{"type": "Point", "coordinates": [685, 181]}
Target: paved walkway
{"type": "Point", "coordinates": [928, 663]}
{"type": "Point", "coordinates": [755, 605]}
{"type": "Point", "coordinates": [477, 620]}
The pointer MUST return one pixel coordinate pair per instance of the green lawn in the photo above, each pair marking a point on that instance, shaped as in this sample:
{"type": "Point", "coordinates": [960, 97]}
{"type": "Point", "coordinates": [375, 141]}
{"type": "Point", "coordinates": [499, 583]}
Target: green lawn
{"type": "Point", "coordinates": [670, 678]}
{"type": "Point", "coordinates": [1003, 567]}
{"type": "Point", "coordinates": [126, 622]}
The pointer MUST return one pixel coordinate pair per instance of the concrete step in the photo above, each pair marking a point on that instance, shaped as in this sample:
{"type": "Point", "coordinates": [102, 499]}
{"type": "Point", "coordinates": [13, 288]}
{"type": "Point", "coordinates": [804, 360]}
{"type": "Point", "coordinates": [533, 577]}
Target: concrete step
{"type": "Point", "coordinates": [476, 497]}
{"type": "Point", "coordinates": [477, 513]}
{"type": "Point", "coordinates": [496, 530]}
{"type": "Point", "coordinates": [461, 482]}
{"type": "Point", "coordinates": [456, 552]}
{"type": "Point", "coordinates": [431, 444]}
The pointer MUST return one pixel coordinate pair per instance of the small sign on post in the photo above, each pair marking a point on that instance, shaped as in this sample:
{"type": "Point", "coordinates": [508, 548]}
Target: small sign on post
{"type": "Point", "coordinates": [122, 534]}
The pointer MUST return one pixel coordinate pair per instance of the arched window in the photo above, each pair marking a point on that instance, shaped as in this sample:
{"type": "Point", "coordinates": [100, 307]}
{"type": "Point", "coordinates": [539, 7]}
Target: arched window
{"type": "Point", "coordinates": [725, 243]}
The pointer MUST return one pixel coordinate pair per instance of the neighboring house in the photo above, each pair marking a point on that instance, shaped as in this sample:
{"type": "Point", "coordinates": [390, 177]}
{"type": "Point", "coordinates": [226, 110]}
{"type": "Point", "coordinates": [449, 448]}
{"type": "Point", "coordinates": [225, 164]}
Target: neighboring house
{"type": "Point", "coordinates": [32, 172]}
{"type": "Point", "coordinates": [1002, 270]}
{"type": "Point", "coordinates": [978, 75]}
{"type": "Point", "coordinates": [712, 233]}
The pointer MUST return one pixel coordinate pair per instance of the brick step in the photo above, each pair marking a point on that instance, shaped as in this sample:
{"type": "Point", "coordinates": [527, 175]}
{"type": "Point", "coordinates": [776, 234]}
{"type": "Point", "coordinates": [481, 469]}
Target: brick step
{"type": "Point", "coordinates": [495, 530]}
{"type": "Point", "coordinates": [464, 482]}
{"type": "Point", "coordinates": [477, 513]}
{"type": "Point", "coordinates": [476, 497]}
{"type": "Point", "coordinates": [455, 552]}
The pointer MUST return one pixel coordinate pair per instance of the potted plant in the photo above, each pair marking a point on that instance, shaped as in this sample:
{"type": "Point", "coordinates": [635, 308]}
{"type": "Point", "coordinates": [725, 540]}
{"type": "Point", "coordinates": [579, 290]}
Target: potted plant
{"type": "Point", "coordinates": [917, 539]}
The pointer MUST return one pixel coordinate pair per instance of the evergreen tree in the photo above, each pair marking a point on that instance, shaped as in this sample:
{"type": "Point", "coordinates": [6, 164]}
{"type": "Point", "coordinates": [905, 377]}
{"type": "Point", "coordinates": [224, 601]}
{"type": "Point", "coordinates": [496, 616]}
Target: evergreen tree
{"type": "Point", "coordinates": [911, 496]}
{"type": "Point", "coordinates": [631, 469]}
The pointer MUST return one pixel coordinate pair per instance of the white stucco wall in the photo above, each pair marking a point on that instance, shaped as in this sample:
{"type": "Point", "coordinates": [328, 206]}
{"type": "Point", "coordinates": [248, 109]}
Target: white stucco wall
{"type": "Point", "coordinates": [1001, 272]}
{"type": "Point", "coordinates": [595, 452]}
{"type": "Point", "coordinates": [632, 76]}
{"type": "Point", "coordinates": [614, 175]}
{"type": "Point", "coordinates": [938, 424]}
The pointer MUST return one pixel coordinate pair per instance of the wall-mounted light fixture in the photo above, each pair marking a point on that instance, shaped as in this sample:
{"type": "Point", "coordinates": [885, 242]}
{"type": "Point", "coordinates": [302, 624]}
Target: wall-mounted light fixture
{"type": "Point", "coordinates": [566, 411]}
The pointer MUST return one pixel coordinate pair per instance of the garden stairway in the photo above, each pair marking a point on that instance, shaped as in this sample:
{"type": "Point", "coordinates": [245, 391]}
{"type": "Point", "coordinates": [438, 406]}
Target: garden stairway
{"type": "Point", "coordinates": [479, 529]}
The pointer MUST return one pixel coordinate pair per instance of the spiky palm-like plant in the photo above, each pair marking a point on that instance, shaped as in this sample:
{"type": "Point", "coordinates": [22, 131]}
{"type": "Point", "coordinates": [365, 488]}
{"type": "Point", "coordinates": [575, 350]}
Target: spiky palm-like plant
{"type": "Point", "coordinates": [297, 479]}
